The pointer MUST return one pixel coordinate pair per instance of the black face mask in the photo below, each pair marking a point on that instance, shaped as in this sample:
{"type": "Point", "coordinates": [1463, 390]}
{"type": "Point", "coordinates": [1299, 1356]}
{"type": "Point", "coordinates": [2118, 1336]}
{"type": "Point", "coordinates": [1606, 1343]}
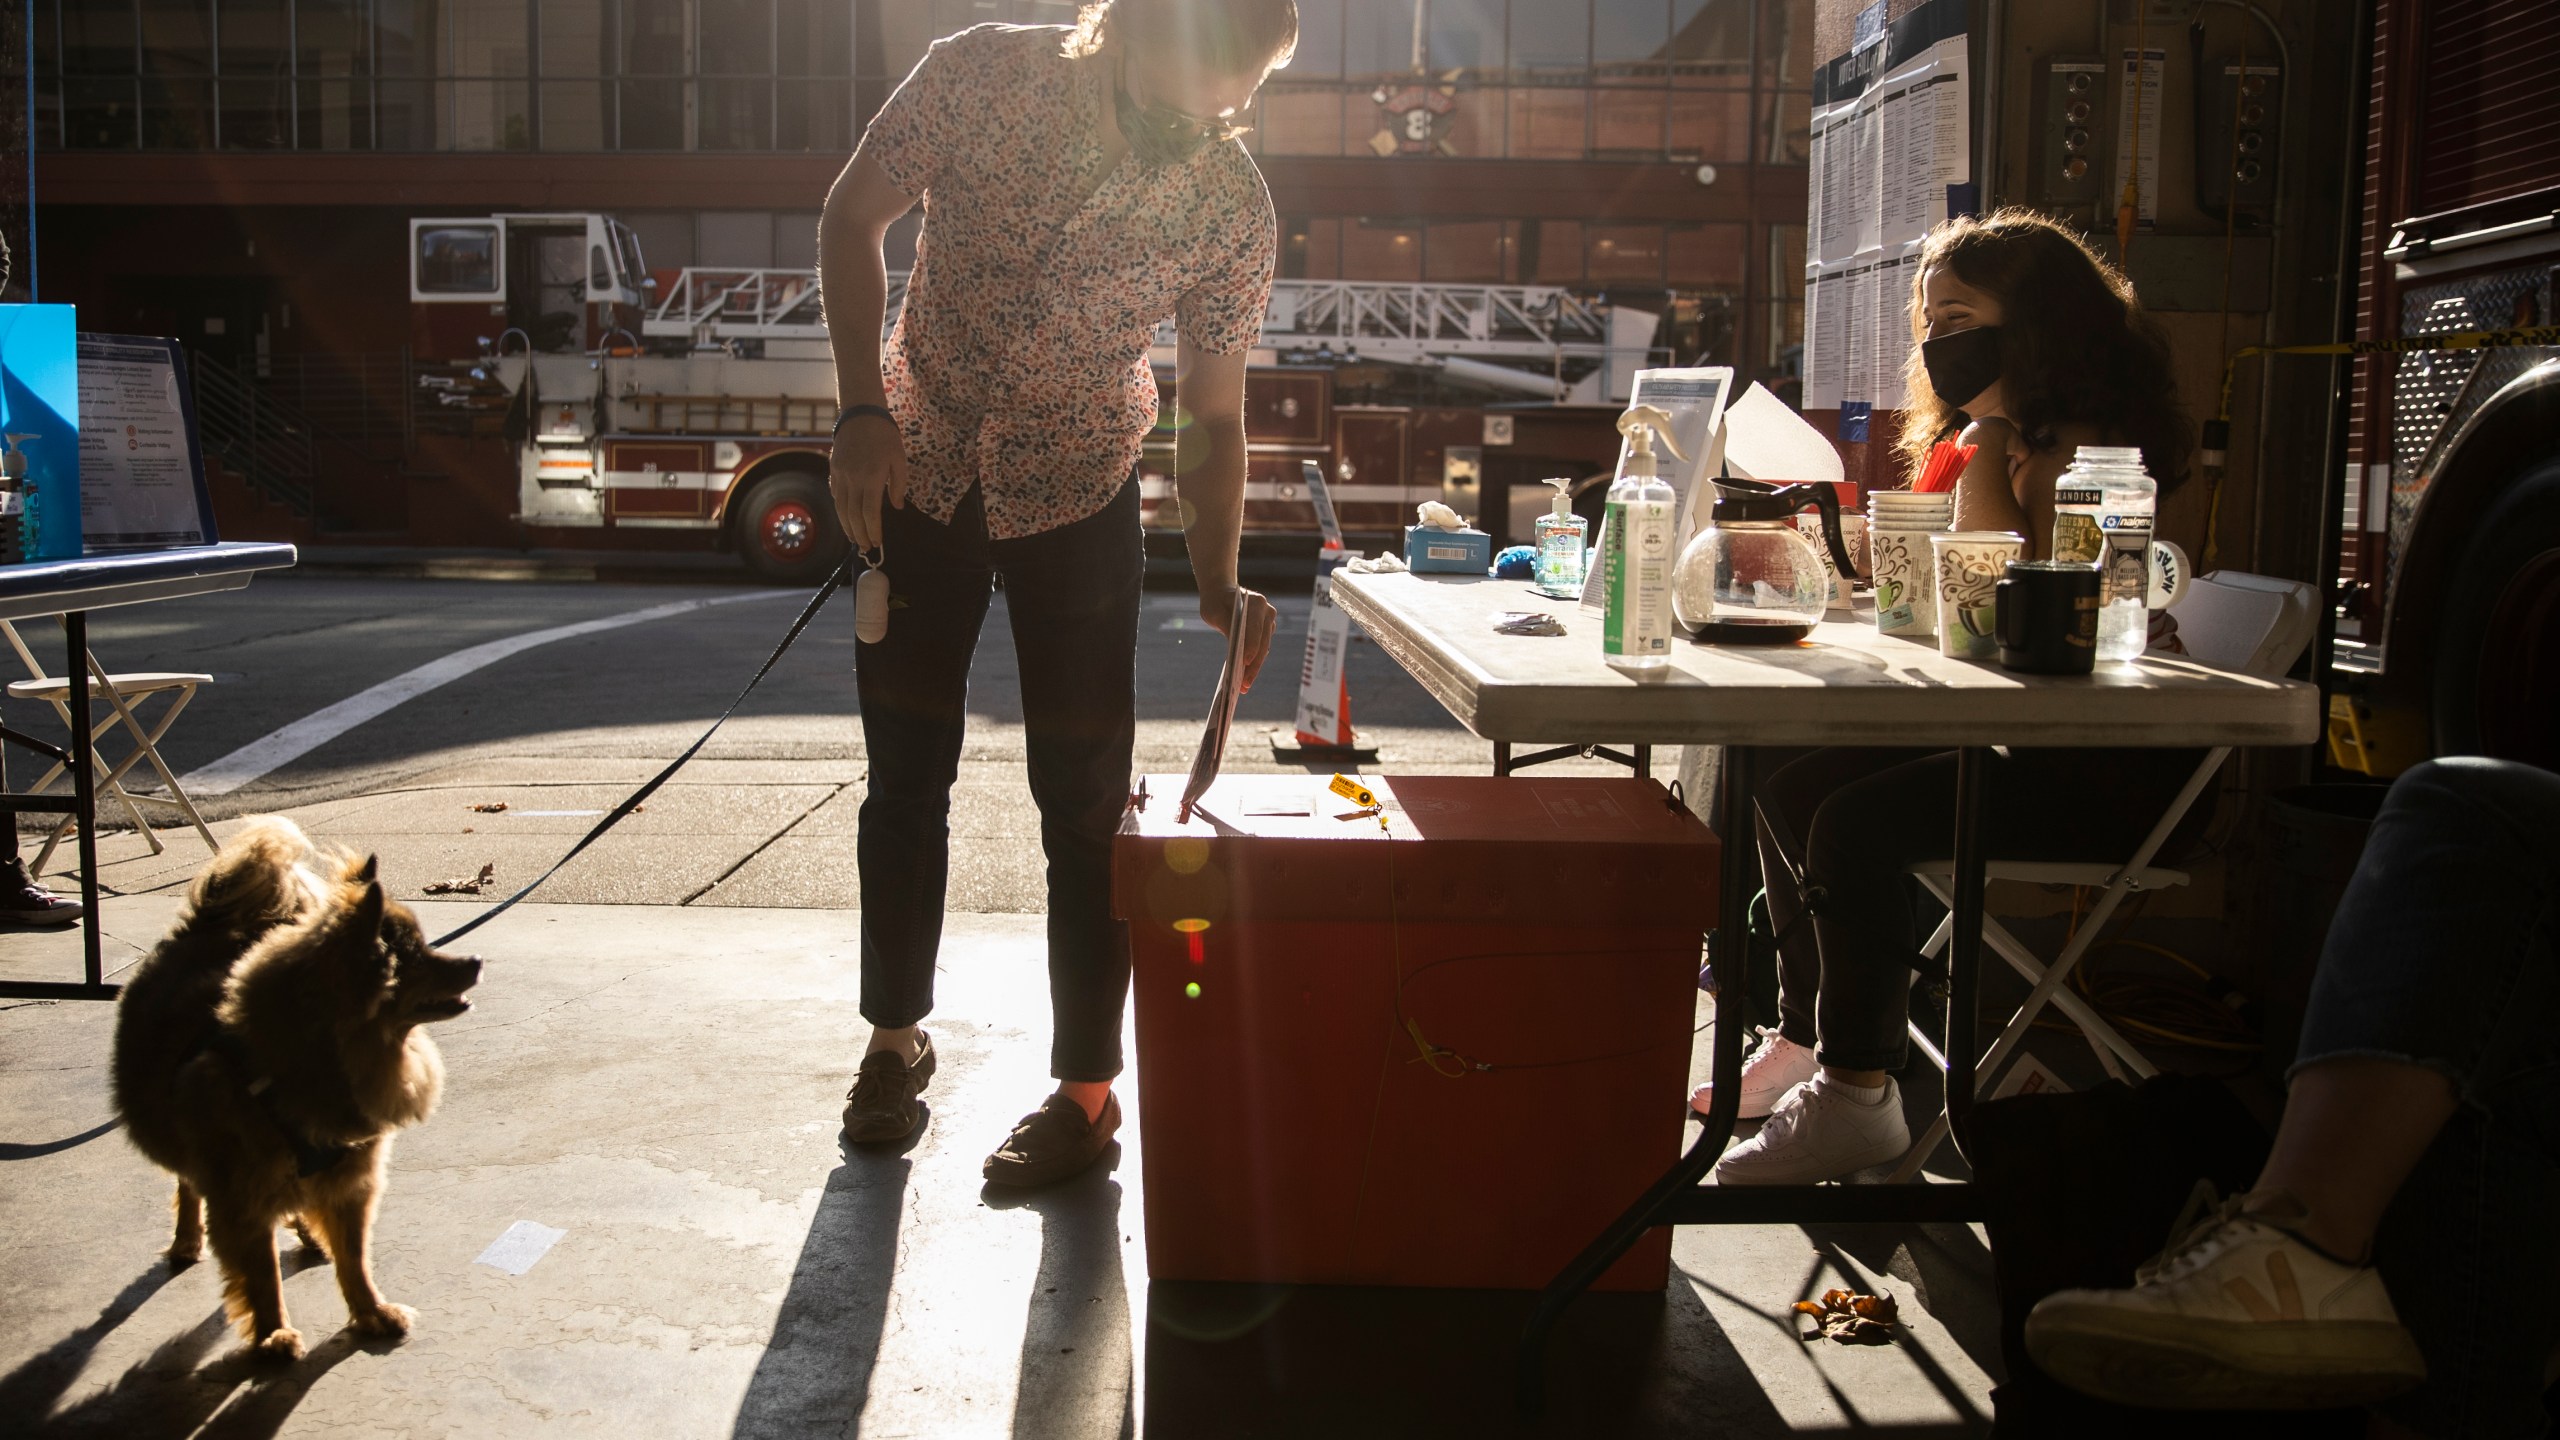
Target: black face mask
{"type": "Point", "coordinates": [1158, 136]}
{"type": "Point", "coordinates": [1962, 365]}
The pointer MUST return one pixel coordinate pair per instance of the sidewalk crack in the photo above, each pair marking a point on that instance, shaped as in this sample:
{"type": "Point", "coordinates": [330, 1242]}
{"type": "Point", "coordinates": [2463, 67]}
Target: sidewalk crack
{"type": "Point", "coordinates": [743, 861]}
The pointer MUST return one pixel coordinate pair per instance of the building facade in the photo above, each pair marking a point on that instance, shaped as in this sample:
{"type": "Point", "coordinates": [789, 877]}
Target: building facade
{"type": "Point", "coordinates": [241, 173]}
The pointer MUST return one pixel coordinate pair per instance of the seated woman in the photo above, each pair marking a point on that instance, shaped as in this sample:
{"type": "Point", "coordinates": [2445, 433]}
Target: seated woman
{"type": "Point", "coordinates": [2040, 345]}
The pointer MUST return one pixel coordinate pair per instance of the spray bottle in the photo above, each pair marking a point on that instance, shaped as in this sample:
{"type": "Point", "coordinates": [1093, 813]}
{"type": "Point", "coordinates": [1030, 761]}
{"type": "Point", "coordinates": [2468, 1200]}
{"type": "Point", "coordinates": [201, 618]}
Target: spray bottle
{"type": "Point", "coordinates": [1636, 603]}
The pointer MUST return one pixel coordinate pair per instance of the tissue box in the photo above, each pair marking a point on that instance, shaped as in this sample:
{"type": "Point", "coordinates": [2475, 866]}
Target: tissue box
{"type": "Point", "coordinates": [1468, 551]}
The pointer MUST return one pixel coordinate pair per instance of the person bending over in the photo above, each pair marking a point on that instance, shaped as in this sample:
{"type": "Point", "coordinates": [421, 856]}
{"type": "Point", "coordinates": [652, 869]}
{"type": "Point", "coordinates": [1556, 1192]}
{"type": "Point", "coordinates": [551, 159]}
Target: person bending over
{"type": "Point", "coordinates": [1081, 185]}
{"type": "Point", "coordinates": [2035, 346]}
{"type": "Point", "coordinates": [2416, 1162]}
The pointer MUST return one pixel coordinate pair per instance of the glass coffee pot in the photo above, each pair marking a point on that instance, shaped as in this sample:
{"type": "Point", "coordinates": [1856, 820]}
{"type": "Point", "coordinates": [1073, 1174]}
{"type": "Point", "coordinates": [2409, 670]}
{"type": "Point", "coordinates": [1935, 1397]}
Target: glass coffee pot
{"type": "Point", "coordinates": [1751, 577]}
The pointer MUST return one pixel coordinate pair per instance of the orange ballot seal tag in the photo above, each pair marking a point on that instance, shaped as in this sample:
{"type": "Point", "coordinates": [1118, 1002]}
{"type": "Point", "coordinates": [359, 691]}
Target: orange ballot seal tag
{"type": "Point", "coordinates": [1360, 795]}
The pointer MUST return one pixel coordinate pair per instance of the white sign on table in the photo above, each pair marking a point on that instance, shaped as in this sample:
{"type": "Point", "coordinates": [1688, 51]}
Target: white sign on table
{"type": "Point", "coordinates": [141, 470]}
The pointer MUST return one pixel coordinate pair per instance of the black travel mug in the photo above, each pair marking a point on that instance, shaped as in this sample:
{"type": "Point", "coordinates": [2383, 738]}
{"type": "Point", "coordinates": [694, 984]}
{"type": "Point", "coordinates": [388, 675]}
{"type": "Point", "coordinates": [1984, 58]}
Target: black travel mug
{"type": "Point", "coordinates": [2046, 616]}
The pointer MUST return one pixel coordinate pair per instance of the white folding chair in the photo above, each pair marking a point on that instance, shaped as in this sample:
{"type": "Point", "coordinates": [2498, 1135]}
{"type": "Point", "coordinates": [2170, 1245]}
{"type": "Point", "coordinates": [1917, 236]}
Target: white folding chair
{"type": "Point", "coordinates": [2230, 620]}
{"type": "Point", "coordinates": [123, 693]}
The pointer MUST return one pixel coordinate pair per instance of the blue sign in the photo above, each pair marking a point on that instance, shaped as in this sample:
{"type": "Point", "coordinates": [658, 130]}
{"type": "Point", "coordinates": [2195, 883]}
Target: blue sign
{"type": "Point", "coordinates": [40, 423]}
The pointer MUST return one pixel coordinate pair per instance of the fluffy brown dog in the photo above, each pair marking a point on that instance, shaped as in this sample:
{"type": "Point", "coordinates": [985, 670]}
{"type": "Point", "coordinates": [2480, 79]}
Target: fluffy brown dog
{"type": "Point", "coordinates": [267, 1050]}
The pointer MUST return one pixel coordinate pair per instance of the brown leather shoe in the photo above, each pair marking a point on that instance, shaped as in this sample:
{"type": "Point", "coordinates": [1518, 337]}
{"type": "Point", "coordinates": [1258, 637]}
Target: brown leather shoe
{"type": "Point", "coordinates": [882, 1103]}
{"type": "Point", "coordinates": [1053, 1143]}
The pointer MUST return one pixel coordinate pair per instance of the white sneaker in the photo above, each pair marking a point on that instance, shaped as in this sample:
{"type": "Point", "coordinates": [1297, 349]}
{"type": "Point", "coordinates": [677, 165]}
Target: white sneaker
{"type": "Point", "coordinates": [1778, 1066]}
{"type": "Point", "coordinates": [1817, 1132]}
{"type": "Point", "coordinates": [2237, 1313]}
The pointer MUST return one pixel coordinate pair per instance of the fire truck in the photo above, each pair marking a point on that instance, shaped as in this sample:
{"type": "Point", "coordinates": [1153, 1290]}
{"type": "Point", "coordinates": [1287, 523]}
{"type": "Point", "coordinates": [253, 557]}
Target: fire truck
{"type": "Point", "coordinates": [699, 399]}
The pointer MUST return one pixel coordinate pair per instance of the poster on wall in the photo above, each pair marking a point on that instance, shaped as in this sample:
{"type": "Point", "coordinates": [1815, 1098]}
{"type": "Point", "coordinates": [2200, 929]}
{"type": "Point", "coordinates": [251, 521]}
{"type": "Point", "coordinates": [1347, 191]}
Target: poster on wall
{"type": "Point", "coordinates": [40, 426]}
{"type": "Point", "coordinates": [1891, 149]}
{"type": "Point", "coordinates": [141, 469]}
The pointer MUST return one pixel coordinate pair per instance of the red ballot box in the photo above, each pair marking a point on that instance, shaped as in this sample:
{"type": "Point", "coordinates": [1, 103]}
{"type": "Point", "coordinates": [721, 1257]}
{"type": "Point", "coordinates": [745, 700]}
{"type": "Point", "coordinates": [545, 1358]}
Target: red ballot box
{"type": "Point", "coordinates": [1443, 1051]}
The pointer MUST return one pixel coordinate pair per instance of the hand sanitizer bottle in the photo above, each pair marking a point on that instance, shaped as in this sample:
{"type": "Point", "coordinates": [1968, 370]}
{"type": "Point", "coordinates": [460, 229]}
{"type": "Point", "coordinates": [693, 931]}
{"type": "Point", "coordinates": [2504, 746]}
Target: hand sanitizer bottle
{"type": "Point", "coordinates": [1635, 634]}
{"type": "Point", "coordinates": [1560, 535]}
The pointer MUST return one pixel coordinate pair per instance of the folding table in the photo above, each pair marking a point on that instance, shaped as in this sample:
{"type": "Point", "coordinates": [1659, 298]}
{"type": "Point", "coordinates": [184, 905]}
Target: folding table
{"type": "Point", "coordinates": [71, 589]}
{"type": "Point", "coordinates": [1846, 685]}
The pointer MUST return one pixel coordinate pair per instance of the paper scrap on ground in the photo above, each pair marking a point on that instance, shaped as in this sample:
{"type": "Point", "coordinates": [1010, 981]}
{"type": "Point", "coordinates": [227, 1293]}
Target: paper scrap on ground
{"type": "Point", "coordinates": [525, 1242]}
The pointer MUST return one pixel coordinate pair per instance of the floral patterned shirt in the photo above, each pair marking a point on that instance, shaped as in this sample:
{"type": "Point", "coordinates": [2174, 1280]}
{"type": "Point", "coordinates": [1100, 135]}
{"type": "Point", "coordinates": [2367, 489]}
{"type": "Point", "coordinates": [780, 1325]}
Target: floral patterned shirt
{"type": "Point", "coordinates": [1020, 362]}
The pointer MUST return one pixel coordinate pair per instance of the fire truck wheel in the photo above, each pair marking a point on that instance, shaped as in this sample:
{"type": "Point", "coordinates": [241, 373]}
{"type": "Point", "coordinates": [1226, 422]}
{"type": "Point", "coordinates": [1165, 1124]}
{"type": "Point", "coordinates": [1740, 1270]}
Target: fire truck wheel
{"type": "Point", "coordinates": [788, 532]}
{"type": "Point", "coordinates": [2498, 675]}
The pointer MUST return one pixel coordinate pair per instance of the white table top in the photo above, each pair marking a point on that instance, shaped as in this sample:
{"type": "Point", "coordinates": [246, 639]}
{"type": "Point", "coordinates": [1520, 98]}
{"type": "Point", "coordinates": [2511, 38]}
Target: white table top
{"type": "Point", "coordinates": [1846, 685]}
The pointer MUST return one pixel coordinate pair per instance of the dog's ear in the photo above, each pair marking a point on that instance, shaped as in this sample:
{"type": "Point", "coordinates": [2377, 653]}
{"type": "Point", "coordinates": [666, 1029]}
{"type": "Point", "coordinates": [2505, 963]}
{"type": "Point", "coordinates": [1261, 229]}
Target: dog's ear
{"type": "Point", "coordinates": [365, 872]}
{"type": "Point", "coordinates": [366, 921]}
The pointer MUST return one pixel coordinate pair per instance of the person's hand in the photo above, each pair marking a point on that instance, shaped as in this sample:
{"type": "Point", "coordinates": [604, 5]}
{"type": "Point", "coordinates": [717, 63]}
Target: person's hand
{"type": "Point", "coordinates": [869, 461]}
{"type": "Point", "coordinates": [1261, 617]}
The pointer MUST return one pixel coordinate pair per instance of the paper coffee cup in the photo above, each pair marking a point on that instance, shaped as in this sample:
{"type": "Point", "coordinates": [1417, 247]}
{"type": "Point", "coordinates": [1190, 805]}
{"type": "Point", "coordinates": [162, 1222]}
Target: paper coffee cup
{"type": "Point", "coordinates": [1905, 580]}
{"type": "Point", "coordinates": [1968, 565]}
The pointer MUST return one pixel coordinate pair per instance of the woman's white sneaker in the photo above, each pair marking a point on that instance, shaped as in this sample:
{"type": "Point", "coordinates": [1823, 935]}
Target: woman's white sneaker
{"type": "Point", "coordinates": [2238, 1313]}
{"type": "Point", "coordinates": [1820, 1130]}
{"type": "Point", "coordinates": [1778, 1066]}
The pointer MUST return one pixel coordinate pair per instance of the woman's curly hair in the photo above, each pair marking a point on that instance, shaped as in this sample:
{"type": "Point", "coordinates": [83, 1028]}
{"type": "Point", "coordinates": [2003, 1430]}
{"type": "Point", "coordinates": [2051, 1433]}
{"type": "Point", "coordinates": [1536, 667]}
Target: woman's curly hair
{"type": "Point", "coordinates": [2075, 345]}
{"type": "Point", "coordinates": [1228, 36]}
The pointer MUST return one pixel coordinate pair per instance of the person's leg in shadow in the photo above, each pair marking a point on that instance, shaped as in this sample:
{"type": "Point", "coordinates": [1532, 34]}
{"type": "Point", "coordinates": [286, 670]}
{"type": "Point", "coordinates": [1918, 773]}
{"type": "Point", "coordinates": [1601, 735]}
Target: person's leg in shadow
{"type": "Point", "coordinates": [2415, 1162]}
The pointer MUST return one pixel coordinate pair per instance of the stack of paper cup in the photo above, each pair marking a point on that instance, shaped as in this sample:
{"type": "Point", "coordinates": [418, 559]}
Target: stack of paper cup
{"type": "Point", "coordinates": [1899, 524]}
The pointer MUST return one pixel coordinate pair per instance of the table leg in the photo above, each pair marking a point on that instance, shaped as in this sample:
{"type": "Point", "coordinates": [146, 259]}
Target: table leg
{"type": "Point", "coordinates": [84, 788]}
{"type": "Point", "coordinates": [1730, 956]}
{"type": "Point", "coordinates": [1964, 944]}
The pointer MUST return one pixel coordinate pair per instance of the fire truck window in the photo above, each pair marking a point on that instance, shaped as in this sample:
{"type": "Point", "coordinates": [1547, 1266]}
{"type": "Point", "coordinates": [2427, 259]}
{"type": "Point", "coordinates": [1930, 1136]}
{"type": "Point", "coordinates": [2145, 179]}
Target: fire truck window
{"type": "Point", "coordinates": [633, 266]}
{"type": "Point", "coordinates": [599, 268]}
{"type": "Point", "coordinates": [458, 260]}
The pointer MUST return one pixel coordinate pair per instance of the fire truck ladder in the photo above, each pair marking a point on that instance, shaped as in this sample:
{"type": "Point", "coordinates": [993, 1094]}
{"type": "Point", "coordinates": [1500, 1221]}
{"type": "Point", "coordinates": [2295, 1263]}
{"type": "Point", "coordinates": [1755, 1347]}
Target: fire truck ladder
{"type": "Point", "coordinates": [1521, 329]}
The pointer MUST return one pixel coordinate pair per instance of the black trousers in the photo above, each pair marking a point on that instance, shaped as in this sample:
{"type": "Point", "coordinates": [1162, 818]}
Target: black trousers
{"type": "Point", "coordinates": [1853, 821]}
{"type": "Point", "coordinates": [1072, 596]}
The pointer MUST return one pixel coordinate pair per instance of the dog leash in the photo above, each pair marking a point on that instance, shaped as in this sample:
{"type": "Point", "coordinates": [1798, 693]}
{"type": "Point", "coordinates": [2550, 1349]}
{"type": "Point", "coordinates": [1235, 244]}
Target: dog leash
{"type": "Point", "coordinates": [808, 613]}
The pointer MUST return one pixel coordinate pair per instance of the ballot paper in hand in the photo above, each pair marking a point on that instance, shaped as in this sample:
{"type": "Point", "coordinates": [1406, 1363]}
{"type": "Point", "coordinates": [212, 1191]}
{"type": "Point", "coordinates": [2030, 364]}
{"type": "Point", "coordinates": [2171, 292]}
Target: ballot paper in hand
{"type": "Point", "coordinates": [1222, 715]}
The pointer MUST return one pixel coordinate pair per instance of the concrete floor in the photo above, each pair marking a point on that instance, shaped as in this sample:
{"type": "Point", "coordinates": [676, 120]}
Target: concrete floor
{"type": "Point", "coordinates": [663, 1085]}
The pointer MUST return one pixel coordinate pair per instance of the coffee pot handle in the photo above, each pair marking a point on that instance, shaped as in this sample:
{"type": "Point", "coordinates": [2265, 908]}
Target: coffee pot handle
{"type": "Point", "coordinates": [1827, 500]}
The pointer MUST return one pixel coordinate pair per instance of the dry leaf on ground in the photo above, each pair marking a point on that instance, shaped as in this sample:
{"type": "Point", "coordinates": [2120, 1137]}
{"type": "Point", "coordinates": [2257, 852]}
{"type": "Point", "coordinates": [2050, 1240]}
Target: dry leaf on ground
{"type": "Point", "coordinates": [493, 807]}
{"type": "Point", "coordinates": [472, 886]}
{"type": "Point", "coordinates": [1850, 1318]}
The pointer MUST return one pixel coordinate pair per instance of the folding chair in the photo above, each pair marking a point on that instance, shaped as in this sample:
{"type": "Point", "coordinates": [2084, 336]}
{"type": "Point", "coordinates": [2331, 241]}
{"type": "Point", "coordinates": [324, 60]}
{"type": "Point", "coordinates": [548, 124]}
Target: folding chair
{"type": "Point", "coordinates": [2230, 620]}
{"type": "Point", "coordinates": [122, 692]}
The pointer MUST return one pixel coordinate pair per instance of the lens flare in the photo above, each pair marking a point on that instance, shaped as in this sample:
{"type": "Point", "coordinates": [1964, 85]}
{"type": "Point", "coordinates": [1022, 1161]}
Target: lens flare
{"type": "Point", "coordinates": [1192, 989]}
{"type": "Point", "coordinates": [1185, 854]}
{"type": "Point", "coordinates": [1191, 926]}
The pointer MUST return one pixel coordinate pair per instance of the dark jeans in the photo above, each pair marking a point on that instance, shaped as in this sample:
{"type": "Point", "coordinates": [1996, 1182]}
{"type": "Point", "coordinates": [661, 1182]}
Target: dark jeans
{"type": "Point", "coordinates": [1072, 596]}
{"type": "Point", "coordinates": [1853, 822]}
{"type": "Point", "coordinates": [2442, 955]}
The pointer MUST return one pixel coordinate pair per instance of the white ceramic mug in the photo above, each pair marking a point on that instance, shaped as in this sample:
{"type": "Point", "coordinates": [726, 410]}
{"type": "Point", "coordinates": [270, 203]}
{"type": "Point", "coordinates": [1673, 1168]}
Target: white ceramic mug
{"type": "Point", "coordinates": [1968, 565]}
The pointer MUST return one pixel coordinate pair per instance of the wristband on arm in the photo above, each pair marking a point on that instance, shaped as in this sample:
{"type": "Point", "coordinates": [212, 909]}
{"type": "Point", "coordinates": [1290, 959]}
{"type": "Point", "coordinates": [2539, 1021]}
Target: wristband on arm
{"type": "Point", "coordinates": [852, 411]}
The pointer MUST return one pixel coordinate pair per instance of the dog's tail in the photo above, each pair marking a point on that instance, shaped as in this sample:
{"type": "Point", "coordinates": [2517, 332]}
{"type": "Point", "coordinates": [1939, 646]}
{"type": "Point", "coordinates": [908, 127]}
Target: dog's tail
{"type": "Point", "coordinates": [265, 876]}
